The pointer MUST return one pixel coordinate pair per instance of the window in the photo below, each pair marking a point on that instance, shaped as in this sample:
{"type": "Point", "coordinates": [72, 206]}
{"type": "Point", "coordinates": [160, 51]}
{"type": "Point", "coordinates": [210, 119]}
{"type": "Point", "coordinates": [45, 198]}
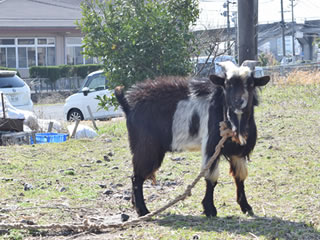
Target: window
{"type": "Point", "coordinates": [74, 52]}
{"type": "Point", "coordinates": [25, 41]}
{"type": "Point", "coordinates": [11, 82]}
{"type": "Point", "coordinates": [11, 57]}
{"type": "Point", "coordinates": [51, 56]}
{"type": "Point", "coordinates": [7, 53]}
{"type": "Point", "coordinates": [27, 52]}
{"type": "Point", "coordinates": [22, 53]}
{"type": "Point", "coordinates": [27, 57]}
{"type": "Point", "coordinates": [46, 56]}
{"type": "Point", "coordinates": [3, 57]}
{"type": "Point", "coordinates": [97, 82]}
{"type": "Point", "coordinates": [6, 41]}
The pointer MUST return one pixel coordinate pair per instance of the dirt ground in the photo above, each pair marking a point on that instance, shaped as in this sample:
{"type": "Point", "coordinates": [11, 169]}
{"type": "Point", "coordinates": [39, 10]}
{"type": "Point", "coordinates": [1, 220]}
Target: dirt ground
{"type": "Point", "coordinates": [50, 97]}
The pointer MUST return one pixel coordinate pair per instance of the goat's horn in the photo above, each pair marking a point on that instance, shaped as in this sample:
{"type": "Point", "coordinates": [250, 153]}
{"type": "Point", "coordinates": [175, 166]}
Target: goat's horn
{"type": "Point", "coordinates": [250, 64]}
{"type": "Point", "coordinates": [226, 66]}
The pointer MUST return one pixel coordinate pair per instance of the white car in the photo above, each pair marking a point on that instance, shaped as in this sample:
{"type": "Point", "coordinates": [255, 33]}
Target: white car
{"type": "Point", "coordinates": [76, 105]}
{"type": "Point", "coordinates": [16, 90]}
{"type": "Point", "coordinates": [258, 71]}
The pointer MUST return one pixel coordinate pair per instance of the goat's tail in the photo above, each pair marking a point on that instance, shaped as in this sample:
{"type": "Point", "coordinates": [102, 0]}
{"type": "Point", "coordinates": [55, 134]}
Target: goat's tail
{"type": "Point", "coordinates": [119, 93]}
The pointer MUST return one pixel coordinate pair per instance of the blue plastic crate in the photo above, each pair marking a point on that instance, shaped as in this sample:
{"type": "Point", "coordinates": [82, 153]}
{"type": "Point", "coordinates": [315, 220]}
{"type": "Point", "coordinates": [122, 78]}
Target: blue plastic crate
{"type": "Point", "coordinates": [49, 138]}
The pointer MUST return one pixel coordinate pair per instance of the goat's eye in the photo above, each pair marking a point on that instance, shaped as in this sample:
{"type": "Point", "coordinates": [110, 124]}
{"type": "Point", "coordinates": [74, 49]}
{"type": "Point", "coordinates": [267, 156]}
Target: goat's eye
{"type": "Point", "coordinates": [250, 85]}
{"type": "Point", "coordinates": [228, 84]}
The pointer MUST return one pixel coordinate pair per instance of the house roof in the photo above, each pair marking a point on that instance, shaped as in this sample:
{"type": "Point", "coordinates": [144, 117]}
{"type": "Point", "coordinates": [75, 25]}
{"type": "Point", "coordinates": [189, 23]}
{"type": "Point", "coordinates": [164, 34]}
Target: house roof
{"type": "Point", "coordinates": [39, 13]}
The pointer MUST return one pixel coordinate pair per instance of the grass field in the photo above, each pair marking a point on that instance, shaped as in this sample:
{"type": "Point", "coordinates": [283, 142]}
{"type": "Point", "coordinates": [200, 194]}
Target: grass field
{"type": "Point", "coordinates": [90, 179]}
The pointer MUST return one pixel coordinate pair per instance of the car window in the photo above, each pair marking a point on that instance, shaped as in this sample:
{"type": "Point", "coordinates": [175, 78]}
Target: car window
{"type": "Point", "coordinates": [97, 83]}
{"type": "Point", "coordinates": [11, 82]}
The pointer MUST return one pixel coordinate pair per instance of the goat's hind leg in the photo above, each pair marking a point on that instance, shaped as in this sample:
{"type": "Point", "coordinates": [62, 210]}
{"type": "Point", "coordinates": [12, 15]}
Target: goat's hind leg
{"type": "Point", "coordinates": [238, 169]}
{"type": "Point", "coordinates": [137, 195]}
{"type": "Point", "coordinates": [145, 162]}
{"type": "Point", "coordinates": [211, 178]}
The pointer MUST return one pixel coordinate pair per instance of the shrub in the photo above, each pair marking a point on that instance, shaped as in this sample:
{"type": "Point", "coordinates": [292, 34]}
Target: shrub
{"type": "Point", "coordinates": [10, 69]}
{"type": "Point", "coordinates": [55, 72]}
{"type": "Point", "coordinates": [65, 70]}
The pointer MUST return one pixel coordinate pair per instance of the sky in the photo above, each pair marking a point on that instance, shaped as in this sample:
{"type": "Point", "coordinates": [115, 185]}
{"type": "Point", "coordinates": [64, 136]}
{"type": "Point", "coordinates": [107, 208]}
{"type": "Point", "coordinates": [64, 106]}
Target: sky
{"type": "Point", "coordinates": [269, 11]}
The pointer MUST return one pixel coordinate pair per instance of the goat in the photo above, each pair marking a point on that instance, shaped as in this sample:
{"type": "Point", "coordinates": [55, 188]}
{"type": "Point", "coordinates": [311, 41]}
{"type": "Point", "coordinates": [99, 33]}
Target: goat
{"type": "Point", "coordinates": [175, 114]}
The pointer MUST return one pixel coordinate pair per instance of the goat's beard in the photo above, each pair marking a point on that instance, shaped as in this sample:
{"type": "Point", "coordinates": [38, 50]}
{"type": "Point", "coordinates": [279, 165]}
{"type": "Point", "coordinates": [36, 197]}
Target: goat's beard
{"type": "Point", "coordinates": [238, 120]}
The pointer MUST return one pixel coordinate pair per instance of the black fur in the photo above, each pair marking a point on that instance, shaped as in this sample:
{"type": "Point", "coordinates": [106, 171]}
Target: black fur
{"type": "Point", "coordinates": [194, 125]}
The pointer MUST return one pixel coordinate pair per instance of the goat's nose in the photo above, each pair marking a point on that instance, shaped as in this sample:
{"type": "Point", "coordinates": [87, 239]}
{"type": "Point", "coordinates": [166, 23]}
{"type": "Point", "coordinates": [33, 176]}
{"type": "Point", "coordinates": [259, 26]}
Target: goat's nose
{"type": "Point", "coordinates": [239, 102]}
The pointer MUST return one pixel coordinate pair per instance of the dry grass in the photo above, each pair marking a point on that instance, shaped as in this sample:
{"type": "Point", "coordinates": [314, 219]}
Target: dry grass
{"type": "Point", "coordinates": [299, 78]}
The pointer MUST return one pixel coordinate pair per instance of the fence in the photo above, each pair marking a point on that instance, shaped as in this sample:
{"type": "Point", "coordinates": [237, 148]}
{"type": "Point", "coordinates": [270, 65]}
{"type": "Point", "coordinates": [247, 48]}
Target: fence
{"type": "Point", "coordinates": [283, 70]}
{"type": "Point", "coordinates": [72, 84]}
{"type": "Point", "coordinates": [39, 85]}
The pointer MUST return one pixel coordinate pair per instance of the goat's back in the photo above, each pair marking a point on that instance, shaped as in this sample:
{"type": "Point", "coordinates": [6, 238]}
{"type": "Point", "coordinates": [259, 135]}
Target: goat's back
{"type": "Point", "coordinates": [152, 105]}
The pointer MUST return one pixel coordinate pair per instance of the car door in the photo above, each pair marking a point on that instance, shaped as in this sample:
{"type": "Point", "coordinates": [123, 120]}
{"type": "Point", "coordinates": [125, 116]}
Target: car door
{"type": "Point", "coordinates": [97, 87]}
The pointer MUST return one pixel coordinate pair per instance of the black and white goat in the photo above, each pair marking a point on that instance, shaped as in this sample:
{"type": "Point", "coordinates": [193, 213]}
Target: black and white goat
{"type": "Point", "coordinates": [175, 114]}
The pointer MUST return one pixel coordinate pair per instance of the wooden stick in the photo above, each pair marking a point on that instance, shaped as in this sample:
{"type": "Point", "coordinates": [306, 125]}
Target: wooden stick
{"type": "Point", "coordinates": [75, 128]}
{"type": "Point", "coordinates": [50, 126]}
{"type": "Point", "coordinates": [92, 119]}
{"type": "Point", "coordinates": [3, 108]}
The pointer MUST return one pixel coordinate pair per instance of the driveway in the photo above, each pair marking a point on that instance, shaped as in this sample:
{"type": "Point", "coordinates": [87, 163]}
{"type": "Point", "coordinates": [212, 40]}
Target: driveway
{"type": "Point", "coordinates": [49, 111]}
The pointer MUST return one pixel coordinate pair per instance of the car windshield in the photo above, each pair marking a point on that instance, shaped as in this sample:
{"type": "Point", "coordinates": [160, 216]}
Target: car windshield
{"type": "Point", "coordinates": [95, 82]}
{"type": "Point", "coordinates": [11, 82]}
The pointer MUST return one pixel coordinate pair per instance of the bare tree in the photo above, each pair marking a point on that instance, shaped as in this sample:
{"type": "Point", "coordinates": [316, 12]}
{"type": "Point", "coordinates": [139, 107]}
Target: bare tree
{"type": "Point", "coordinates": [208, 45]}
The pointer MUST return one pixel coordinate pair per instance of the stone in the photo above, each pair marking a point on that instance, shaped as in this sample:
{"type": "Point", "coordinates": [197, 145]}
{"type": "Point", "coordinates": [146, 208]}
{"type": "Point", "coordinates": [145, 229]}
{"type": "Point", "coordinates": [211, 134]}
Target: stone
{"type": "Point", "coordinates": [108, 192]}
{"type": "Point", "coordinates": [124, 217]}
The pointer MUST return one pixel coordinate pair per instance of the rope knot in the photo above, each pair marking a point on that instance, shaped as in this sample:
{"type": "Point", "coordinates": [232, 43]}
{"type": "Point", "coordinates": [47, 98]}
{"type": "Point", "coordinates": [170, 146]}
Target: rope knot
{"type": "Point", "coordinates": [225, 131]}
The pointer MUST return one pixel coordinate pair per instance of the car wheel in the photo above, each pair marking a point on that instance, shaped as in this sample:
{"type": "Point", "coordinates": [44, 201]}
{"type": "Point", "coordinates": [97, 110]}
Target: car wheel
{"type": "Point", "coordinates": [75, 115]}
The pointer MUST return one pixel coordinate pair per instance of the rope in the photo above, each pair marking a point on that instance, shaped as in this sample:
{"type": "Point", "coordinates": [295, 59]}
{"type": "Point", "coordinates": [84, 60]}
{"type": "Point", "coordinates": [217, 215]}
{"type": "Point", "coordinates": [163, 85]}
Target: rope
{"type": "Point", "coordinates": [88, 226]}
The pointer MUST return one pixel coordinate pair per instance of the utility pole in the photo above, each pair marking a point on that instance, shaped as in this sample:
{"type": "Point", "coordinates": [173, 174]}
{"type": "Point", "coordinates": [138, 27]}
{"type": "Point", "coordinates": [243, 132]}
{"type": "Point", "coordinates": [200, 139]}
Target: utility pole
{"type": "Point", "coordinates": [247, 24]}
{"type": "Point", "coordinates": [283, 31]}
{"type": "Point", "coordinates": [235, 21]}
{"type": "Point", "coordinates": [227, 14]}
{"type": "Point", "coordinates": [228, 27]}
{"type": "Point", "coordinates": [293, 32]}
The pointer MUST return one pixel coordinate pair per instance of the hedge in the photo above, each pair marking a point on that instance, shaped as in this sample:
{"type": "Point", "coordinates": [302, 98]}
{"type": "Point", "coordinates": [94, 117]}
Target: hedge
{"type": "Point", "coordinates": [53, 73]}
{"type": "Point", "coordinates": [10, 69]}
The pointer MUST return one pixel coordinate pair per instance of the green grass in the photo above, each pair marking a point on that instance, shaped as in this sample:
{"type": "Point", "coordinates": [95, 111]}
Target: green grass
{"type": "Point", "coordinates": [283, 184]}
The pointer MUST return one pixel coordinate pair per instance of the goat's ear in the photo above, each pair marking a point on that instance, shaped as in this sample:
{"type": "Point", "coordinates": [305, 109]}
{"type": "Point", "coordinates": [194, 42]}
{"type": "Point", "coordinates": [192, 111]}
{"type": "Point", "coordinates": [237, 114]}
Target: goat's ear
{"type": "Point", "coordinates": [261, 81]}
{"type": "Point", "coordinates": [217, 80]}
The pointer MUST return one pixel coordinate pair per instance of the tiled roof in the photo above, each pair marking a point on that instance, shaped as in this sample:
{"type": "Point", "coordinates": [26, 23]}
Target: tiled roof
{"type": "Point", "coordinates": [39, 13]}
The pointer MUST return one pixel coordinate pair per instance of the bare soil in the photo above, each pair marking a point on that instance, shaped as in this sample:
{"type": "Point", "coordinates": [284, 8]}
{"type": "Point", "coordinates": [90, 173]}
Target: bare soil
{"type": "Point", "coordinates": [50, 97]}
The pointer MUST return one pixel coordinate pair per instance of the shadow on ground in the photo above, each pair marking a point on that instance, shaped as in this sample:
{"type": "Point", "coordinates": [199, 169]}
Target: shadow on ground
{"type": "Point", "coordinates": [268, 227]}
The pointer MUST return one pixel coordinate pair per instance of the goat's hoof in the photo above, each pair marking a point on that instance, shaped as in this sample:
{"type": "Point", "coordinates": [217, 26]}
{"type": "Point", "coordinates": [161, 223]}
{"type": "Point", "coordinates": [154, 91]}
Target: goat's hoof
{"type": "Point", "coordinates": [248, 210]}
{"type": "Point", "coordinates": [250, 213]}
{"type": "Point", "coordinates": [141, 213]}
{"type": "Point", "coordinates": [210, 213]}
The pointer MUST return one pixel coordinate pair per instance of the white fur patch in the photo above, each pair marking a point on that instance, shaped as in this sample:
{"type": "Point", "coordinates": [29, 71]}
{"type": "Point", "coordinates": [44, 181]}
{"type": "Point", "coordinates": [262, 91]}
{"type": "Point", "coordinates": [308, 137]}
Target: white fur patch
{"type": "Point", "coordinates": [239, 165]}
{"type": "Point", "coordinates": [181, 139]}
{"type": "Point", "coordinates": [214, 175]}
{"type": "Point", "coordinates": [232, 70]}
{"type": "Point", "coordinates": [245, 98]}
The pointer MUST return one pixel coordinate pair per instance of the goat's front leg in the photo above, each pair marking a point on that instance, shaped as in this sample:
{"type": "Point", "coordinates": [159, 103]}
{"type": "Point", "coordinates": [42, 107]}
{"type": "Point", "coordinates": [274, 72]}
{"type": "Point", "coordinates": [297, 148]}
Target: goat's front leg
{"type": "Point", "coordinates": [238, 169]}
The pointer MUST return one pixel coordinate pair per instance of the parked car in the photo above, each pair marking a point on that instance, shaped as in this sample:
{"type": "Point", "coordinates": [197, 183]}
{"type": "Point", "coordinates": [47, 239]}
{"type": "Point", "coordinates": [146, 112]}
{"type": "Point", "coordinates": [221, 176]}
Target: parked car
{"type": "Point", "coordinates": [16, 90]}
{"type": "Point", "coordinates": [76, 105]}
{"type": "Point", "coordinates": [258, 71]}
{"type": "Point", "coordinates": [211, 68]}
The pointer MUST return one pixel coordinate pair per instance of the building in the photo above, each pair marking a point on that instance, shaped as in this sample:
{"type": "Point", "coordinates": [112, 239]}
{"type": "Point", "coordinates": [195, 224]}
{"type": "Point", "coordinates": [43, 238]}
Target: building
{"type": "Point", "coordinates": [40, 33]}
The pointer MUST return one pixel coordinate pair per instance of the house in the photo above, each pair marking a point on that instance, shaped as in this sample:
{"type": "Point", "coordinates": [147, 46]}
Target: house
{"type": "Point", "coordinates": [40, 33]}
